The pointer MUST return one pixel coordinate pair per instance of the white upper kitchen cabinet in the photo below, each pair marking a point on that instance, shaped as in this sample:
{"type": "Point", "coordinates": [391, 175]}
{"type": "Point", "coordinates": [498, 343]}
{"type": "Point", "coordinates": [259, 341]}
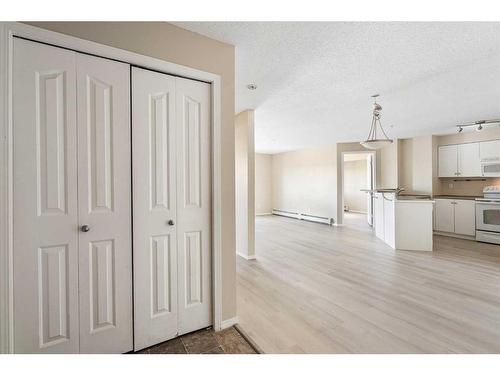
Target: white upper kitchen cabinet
{"type": "Point", "coordinates": [489, 150]}
{"type": "Point", "coordinates": [469, 162]}
{"type": "Point", "coordinates": [465, 217]}
{"type": "Point", "coordinates": [444, 215]}
{"type": "Point", "coordinates": [459, 160]}
{"type": "Point", "coordinates": [448, 161]}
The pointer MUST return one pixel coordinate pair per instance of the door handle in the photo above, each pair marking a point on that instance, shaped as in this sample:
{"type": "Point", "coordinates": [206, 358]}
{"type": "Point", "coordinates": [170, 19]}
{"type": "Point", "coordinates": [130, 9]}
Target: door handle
{"type": "Point", "coordinates": [85, 228]}
{"type": "Point", "coordinates": [170, 222]}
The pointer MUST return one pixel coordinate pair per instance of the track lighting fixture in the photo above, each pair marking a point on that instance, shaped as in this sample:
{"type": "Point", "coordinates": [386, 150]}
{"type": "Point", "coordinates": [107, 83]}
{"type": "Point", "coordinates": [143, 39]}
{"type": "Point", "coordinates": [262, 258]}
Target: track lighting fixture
{"type": "Point", "coordinates": [478, 124]}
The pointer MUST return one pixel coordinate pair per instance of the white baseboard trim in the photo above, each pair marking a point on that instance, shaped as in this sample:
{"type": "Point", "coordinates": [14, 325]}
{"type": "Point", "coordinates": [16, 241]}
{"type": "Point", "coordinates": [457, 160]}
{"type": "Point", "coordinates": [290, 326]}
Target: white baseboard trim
{"type": "Point", "coordinates": [229, 322]}
{"type": "Point", "coordinates": [264, 214]}
{"type": "Point", "coordinates": [302, 216]}
{"type": "Point", "coordinates": [247, 257]}
{"type": "Point", "coordinates": [454, 235]}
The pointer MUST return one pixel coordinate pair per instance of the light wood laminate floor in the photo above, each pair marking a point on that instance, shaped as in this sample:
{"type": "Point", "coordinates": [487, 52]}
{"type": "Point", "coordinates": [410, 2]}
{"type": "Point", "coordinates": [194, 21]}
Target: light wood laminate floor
{"type": "Point", "coordinates": [320, 289]}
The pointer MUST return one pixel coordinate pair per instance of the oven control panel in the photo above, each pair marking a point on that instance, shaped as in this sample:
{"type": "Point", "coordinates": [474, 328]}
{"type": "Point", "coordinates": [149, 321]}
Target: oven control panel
{"type": "Point", "coordinates": [491, 189]}
{"type": "Point", "coordinates": [492, 192]}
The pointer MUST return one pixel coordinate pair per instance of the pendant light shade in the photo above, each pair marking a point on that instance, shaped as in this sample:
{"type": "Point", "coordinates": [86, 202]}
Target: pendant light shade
{"type": "Point", "coordinates": [376, 144]}
{"type": "Point", "coordinates": [373, 142]}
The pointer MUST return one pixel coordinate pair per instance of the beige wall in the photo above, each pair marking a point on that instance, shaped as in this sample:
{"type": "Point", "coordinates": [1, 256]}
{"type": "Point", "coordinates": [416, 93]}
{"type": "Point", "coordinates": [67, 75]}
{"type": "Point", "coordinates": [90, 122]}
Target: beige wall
{"type": "Point", "coordinates": [451, 186]}
{"type": "Point", "coordinates": [245, 183]}
{"type": "Point", "coordinates": [310, 180]}
{"type": "Point", "coordinates": [168, 42]}
{"type": "Point", "coordinates": [263, 184]}
{"type": "Point", "coordinates": [416, 165]}
{"type": "Point", "coordinates": [388, 171]}
{"type": "Point", "coordinates": [486, 134]}
{"type": "Point", "coordinates": [355, 179]}
{"type": "Point", "coordinates": [406, 164]}
{"type": "Point", "coordinates": [305, 181]}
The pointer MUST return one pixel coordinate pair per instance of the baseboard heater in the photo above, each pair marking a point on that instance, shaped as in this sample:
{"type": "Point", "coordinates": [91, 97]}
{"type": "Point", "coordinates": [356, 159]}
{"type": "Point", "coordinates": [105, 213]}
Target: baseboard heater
{"type": "Point", "coordinates": [302, 216]}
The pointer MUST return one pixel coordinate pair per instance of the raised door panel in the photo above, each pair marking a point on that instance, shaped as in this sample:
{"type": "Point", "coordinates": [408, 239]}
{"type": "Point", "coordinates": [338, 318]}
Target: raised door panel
{"type": "Point", "coordinates": [53, 295]}
{"type": "Point", "coordinates": [469, 162]}
{"type": "Point", "coordinates": [104, 184]}
{"type": "Point", "coordinates": [161, 275]}
{"type": "Point", "coordinates": [444, 215]}
{"type": "Point", "coordinates": [194, 204]}
{"type": "Point", "coordinates": [45, 199]}
{"type": "Point", "coordinates": [154, 200]}
{"type": "Point", "coordinates": [191, 151]}
{"type": "Point", "coordinates": [102, 285]}
{"type": "Point", "coordinates": [465, 217]}
{"type": "Point", "coordinates": [99, 131]}
{"type": "Point", "coordinates": [50, 142]}
{"type": "Point", "coordinates": [159, 168]}
{"type": "Point", "coordinates": [193, 268]}
{"type": "Point", "coordinates": [448, 161]}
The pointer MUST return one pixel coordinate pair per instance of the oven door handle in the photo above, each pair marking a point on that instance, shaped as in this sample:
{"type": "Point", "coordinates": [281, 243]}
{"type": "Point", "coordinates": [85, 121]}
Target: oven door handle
{"type": "Point", "coordinates": [487, 203]}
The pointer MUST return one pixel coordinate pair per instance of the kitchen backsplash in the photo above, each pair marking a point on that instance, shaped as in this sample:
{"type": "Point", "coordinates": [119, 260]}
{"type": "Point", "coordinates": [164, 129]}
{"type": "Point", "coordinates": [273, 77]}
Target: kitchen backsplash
{"type": "Point", "coordinates": [450, 186]}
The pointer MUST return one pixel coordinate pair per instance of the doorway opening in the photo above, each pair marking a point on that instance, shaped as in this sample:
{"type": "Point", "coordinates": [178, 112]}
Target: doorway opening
{"type": "Point", "coordinates": [358, 179]}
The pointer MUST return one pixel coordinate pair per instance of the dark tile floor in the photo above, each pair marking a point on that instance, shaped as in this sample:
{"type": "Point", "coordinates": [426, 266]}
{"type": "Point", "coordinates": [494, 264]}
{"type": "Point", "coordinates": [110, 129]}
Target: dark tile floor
{"type": "Point", "coordinates": [205, 341]}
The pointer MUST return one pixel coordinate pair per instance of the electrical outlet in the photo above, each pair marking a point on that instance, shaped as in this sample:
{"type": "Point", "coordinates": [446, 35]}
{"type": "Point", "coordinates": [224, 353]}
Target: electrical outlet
{"type": "Point", "coordinates": [450, 185]}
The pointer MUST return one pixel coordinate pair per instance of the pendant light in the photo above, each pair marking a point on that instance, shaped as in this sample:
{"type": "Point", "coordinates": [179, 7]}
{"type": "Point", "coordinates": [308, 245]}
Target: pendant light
{"type": "Point", "coordinates": [372, 142]}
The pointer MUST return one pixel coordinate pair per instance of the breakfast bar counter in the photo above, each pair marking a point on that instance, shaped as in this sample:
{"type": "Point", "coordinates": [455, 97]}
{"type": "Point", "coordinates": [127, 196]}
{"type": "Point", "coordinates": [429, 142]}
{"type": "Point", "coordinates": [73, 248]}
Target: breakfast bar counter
{"type": "Point", "coordinates": [404, 222]}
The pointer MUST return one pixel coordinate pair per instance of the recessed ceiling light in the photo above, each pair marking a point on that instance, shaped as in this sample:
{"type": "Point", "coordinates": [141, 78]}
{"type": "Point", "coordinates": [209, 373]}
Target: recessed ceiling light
{"type": "Point", "coordinates": [252, 86]}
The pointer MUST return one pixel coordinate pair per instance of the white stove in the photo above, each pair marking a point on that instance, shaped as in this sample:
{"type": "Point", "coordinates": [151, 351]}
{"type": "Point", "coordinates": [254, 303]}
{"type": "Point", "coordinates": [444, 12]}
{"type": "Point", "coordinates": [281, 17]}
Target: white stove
{"type": "Point", "coordinates": [488, 215]}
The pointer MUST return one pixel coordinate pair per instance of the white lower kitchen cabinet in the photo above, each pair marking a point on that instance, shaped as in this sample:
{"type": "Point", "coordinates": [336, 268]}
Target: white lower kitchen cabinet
{"type": "Point", "coordinates": [444, 215]}
{"type": "Point", "coordinates": [457, 216]}
{"type": "Point", "coordinates": [465, 217]}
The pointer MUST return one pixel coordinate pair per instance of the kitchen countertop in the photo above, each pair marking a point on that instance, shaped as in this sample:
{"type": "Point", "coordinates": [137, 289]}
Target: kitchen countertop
{"type": "Point", "coordinates": [466, 197]}
{"type": "Point", "coordinates": [408, 197]}
{"type": "Point", "coordinates": [414, 198]}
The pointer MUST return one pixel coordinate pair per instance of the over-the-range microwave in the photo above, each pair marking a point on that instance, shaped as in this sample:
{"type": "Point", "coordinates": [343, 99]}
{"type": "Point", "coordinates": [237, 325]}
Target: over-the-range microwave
{"type": "Point", "coordinates": [490, 167]}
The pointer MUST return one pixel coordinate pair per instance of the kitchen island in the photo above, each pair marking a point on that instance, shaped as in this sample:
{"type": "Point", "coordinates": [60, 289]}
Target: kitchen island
{"type": "Point", "coordinates": [404, 222]}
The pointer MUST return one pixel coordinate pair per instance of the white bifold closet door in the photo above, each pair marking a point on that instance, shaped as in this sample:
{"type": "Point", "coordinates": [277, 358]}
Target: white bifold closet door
{"type": "Point", "coordinates": [104, 201]}
{"type": "Point", "coordinates": [45, 200]}
{"type": "Point", "coordinates": [72, 288]}
{"type": "Point", "coordinates": [171, 205]}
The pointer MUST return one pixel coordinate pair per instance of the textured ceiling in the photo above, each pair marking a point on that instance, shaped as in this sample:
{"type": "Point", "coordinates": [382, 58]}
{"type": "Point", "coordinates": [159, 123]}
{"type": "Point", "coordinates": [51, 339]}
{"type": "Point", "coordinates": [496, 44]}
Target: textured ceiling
{"type": "Point", "coordinates": [315, 79]}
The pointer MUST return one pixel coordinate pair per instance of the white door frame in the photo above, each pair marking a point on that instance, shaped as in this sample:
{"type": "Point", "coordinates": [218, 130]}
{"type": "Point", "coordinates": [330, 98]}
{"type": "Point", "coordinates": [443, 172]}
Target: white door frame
{"type": "Point", "coordinates": [8, 30]}
{"type": "Point", "coordinates": [374, 171]}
